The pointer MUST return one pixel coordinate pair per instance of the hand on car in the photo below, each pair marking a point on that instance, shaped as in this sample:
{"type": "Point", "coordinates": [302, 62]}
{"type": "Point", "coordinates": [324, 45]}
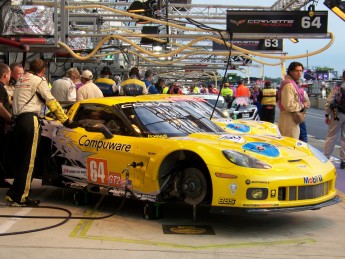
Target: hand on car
{"type": "Point", "coordinates": [70, 125]}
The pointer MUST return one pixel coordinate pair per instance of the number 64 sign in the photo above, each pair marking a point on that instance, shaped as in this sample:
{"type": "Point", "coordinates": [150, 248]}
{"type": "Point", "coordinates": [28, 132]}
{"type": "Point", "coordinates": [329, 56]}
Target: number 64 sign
{"type": "Point", "coordinates": [277, 22]}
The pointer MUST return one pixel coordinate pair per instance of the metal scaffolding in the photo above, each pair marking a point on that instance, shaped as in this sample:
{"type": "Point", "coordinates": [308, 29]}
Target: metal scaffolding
{"type": "Point", "coordinates": [111, 35]}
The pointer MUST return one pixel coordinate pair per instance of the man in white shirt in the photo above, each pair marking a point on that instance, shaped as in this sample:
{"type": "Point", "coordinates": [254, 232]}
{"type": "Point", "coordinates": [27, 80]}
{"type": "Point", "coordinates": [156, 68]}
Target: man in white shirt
{"type": "Point", "coordinates": [64, 89]}
{"type": "Point", "coordinates": [17, 71]}
{"type": "Point", "coordinates": [88, 90]}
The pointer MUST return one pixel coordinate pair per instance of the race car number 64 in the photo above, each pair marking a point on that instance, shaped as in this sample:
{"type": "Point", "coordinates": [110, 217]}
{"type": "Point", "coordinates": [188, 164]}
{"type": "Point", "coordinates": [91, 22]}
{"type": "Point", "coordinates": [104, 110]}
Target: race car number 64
{"type": "Point", "coordinates": [97, 170]}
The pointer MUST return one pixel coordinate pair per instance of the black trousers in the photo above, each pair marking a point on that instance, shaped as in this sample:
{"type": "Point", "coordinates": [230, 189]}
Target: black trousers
{"type": "Point", "coordinates": [6, 153]}
{"type": "Point", "coordinates": [3, 148]}
{"type": "Point", "coordinates": [268, 113]}
{"type": "Point", "coordinates": [27, 132]}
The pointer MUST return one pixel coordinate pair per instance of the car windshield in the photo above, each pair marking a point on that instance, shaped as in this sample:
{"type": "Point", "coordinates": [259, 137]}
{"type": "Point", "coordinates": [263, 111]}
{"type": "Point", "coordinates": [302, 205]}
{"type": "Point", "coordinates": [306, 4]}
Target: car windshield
{"type": "Point", "coordinates": [203, 107]}
{"type": "Point", "coordinates": [165, 118]}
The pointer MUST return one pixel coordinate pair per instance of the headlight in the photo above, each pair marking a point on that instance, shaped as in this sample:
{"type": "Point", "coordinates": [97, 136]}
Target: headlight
{"type": "Point", "coordinates": [244, 160]}
{"type": "Point", "coordinates": [257, 193]}
{"type": "Point", "coordinates": [318, 154]}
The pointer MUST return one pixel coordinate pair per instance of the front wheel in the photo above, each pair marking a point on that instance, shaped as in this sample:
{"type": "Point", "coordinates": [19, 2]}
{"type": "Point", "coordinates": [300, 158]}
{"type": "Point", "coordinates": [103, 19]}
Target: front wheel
{"type": "Point", "coordinates": [193, 186]}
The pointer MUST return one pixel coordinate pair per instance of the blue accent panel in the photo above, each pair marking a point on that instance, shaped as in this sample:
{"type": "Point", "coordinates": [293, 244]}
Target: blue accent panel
{"type": "Point", "coordinates": [238, 127]}
{"type": "Point", "coordinates": [262, 148]}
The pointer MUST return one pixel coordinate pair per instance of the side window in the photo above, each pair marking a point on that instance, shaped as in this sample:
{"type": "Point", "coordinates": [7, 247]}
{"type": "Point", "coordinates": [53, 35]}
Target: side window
{"type": "Point", "coordinates": [91, 114]}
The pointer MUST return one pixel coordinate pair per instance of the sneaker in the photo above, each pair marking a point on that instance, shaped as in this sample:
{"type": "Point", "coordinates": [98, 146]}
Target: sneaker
{"type": "Point", "coordinates": [27, 203]}
{"type": "Point", "coordinates": [342, 165]}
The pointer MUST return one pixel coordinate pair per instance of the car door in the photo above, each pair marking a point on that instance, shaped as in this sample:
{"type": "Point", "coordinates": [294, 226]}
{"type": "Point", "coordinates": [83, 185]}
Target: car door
{"type": "Point", "coordinates": [103, 157]}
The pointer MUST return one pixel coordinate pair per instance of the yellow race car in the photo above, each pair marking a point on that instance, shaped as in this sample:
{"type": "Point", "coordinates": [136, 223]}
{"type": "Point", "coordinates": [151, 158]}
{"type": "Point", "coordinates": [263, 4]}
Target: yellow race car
{"type": "Point", "coordinates": [157, 151]}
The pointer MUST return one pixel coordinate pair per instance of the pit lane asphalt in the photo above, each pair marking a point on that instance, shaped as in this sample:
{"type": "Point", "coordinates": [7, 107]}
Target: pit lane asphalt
{"type": "Point", "coordinates": [308, 234]}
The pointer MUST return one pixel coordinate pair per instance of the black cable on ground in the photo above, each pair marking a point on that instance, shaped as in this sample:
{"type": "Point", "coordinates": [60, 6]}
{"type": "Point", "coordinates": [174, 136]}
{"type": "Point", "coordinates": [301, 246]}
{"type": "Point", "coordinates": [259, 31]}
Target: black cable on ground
{"type": "Point", "coordinates": [65, 218]}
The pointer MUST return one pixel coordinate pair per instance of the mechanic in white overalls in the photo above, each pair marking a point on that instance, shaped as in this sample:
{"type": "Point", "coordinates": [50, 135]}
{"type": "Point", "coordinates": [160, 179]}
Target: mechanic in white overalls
{"type": "Point", "coordinates": [30, 93]}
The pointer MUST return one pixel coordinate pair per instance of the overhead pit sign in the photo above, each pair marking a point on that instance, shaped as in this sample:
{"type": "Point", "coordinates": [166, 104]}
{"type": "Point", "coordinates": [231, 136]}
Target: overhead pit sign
{"type": "Point", "coordinates": [254, 45]}
{"type": "Point", "coordinates": [277, 22]}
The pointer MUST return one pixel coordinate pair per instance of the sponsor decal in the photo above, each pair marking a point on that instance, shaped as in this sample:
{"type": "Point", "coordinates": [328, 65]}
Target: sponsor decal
{"type": "Point", "coordinates": [238, 127]}
{"type": "Point", "coordinates": [262, 205]}
{"type": "Point", "coordinates": [226, 201]}
{"type": "Point", "coordinates": [299, 144]}
{"type": "Point", "coordinates": [313, 179]}
{"type": "Point", "coordinates": [117, 192]}
{"type": "Point", "coordinates": [273, 193]}
{"type": "Point", "coordinates": [223, 120]}
{"type": "Point", "coordinates": [97, 171]}
{"type": "Point", "coordinates": [115, 180]}
{"type": "Point", "coordinates": [97, 144]}
{"type": "Point", "coordinates": [260, 182]}
{"type": "Point", "coordinates": [157, 136]}
{"type": "Point", "coordinates": [188, 230]}
{"type": "Point", "coordinates": [233, 188]}
{"type": "Point", "coordinates": [146, 197]}
{"type": "Point", "coordinates": [74, 171]}
{"type": "Point", "coordinates": [262, 148]}
{"type": "Point", "coordinates": [233, 138]}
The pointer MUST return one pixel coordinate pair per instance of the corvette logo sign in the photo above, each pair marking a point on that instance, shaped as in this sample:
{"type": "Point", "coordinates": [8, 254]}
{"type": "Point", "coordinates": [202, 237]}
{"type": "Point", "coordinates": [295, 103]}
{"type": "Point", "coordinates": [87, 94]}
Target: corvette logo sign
{"type": "Point", "coordinates": [277, 22]}
{"type": "Point", "coordinates": [237, 22]}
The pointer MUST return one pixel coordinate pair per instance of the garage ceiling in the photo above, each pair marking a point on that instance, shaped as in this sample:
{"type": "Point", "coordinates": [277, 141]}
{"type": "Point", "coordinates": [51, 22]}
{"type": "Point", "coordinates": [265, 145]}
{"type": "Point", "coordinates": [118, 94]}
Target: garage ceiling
{"type": "Point", "coordinates": [111, 36]}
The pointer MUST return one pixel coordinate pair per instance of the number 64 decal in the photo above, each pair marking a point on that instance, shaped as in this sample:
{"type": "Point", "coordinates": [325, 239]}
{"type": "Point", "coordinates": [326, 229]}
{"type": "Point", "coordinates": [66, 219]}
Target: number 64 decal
{"type": "Point", "coordinates": [97, 170]}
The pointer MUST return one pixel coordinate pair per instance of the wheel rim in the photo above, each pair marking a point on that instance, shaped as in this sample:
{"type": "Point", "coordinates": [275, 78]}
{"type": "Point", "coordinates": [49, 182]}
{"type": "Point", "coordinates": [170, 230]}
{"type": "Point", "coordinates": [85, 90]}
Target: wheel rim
{"type": "Point", "coordinates": [194, 186]}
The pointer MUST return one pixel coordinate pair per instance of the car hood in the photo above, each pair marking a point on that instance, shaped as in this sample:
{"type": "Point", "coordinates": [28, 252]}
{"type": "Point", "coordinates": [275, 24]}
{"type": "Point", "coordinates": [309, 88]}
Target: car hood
{"type": "Point", "coordinates": [269, 146]}
{"type": "Point", "coordinates": [248, 126]}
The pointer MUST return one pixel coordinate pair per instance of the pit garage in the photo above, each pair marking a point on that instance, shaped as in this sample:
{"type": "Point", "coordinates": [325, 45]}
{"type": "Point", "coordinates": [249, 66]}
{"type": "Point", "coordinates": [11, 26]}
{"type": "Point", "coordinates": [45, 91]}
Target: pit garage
{"type": "Point", "coordinates": [69, 223]}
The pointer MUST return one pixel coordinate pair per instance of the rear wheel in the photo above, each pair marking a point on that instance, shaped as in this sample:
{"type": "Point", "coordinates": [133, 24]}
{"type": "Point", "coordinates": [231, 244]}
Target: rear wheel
{"type": "Point", "coordinates": [193, 186]}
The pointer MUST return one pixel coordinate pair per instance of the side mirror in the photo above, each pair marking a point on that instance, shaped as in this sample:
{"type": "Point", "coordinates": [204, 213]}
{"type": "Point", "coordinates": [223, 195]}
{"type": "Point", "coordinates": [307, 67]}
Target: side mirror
{"type": "Point", "coordinates": [225, 114]}
{"type": "Point", "coordinates": [100, 128]}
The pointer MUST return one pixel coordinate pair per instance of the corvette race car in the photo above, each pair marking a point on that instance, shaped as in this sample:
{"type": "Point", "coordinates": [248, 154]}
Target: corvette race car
{"type": "Point", "coordinates": [243, 108]}
{"type": "Point", "coordinates": [156, 151]}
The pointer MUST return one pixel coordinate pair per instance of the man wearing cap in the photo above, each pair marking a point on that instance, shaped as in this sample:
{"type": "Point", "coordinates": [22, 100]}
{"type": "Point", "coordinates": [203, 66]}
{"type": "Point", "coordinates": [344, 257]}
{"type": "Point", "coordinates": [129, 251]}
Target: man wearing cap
{"type": "Point", "coordinates": [133, 85]}
{"type": "Point", "coordinates": [227, 94]}
{"type": "Point", "coordinates": [64, 89]}
{"type": "Point", "coordinates": [107, 85]}
{"type": "Point", "coordinates": [88, 90]}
